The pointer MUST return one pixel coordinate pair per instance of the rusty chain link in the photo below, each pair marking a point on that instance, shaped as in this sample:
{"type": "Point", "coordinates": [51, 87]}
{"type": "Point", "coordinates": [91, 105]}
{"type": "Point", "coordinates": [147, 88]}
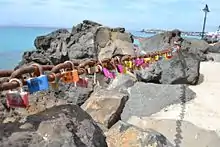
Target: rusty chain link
{"type": "Point", "coordinates": [80, 66]}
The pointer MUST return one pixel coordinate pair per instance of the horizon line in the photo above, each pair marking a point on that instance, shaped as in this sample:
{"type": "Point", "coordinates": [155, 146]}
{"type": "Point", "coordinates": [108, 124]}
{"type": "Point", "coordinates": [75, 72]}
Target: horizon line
{"type": "Point", "coordinates": [34, 26]}
{"type": "Point", "coordinates": [59, 27]}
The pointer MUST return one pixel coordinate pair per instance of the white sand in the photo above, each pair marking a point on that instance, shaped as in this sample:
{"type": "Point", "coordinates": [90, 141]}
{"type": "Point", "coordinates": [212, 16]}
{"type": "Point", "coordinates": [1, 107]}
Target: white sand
{"type": "Point", "coordinates": [204, 110]}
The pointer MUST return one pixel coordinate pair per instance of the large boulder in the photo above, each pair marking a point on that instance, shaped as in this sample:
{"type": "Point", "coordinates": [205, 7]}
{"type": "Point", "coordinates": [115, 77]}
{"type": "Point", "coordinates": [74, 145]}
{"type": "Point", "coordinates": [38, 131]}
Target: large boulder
{"type": "Point", "coordinates": [125, 135]}
{"type": "Point", "coordinates": [167, 39]}
{"type": "Point", "coordinates": [105, 107]}
{"type": "Point", "coordinates": [122, 82]}
{"type": "Point", "coordinates": [214, 56]}
{"type": "Point", "coordinates": [111, 42]}
{"type": "Point", "coordinates": [146, 99]}
{"type": "Point", "coordinates": [214, 48]}
{"type": "Point", "coordinates": [87, 40]}
{"type": "Point", "coordinates": [161, 41]}
{"type": "Point", "coordinates": [182, 68]}
{"type": "Point", "coordinates": [197, 47]}
{"type": "Point", "coordinates": [66, 125]}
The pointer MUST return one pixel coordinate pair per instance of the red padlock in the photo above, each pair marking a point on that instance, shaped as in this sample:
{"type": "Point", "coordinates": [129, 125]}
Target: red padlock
{"type": "Point", "coordinates": [83, 82]}
{"type": "Point", "coordinates": [169, 55]}
{"type": "Point", "coordinates": [17, 98]}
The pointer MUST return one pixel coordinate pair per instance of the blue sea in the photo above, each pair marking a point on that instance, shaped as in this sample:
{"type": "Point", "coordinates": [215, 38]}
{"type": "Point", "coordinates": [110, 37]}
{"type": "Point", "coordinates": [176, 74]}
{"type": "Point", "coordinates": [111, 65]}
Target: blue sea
{"type": "Point", "coordinates": [15, 40]}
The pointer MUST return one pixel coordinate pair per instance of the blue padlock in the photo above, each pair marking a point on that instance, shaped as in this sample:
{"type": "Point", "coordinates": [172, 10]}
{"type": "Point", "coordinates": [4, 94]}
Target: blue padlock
{"type": "Point", "coordinates": [39, 83]}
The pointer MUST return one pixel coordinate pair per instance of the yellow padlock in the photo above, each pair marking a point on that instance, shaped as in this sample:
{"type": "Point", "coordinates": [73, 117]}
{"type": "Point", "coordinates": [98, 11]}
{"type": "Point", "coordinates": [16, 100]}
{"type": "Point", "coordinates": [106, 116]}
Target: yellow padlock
{"type": "Point", "coordinates": [156, 58]}
{"type": "Point", "coordinates": [127, 66]}
{"type": "Point", "coordinates": [126, 63]}
{"type": "Point", "coordinates": [146, 60]}
{"type": "Point", "coordinates": [130, 64]}
{"type": "Point", "coordinates": [124, 70]}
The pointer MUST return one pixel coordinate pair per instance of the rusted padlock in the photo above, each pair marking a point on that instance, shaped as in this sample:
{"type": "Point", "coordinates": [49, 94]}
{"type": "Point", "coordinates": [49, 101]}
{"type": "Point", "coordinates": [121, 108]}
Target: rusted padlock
{"type": "Point", "coordinates": [17, 98]}
{"type": "Point", "coordinates": [70, 76]}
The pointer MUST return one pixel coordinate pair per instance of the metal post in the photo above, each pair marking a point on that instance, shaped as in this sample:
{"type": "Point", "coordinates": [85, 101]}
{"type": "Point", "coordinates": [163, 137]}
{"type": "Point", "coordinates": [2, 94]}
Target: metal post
{"type": "Point", "coordinates": [206, 10]}
{"type": "Point", "coordinates": [204, 22]}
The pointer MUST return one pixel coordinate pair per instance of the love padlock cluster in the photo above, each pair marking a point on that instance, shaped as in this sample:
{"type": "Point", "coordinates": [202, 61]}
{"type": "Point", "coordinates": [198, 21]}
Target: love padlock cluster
{"type": "Point", "coordinates": [39, 81]}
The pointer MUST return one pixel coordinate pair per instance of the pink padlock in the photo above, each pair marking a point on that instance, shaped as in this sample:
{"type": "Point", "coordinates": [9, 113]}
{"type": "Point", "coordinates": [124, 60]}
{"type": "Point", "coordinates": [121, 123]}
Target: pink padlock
{"type": "Point", "coordinates": [17, 98]}
{"type": "Point", "coordinates": [107, 73]}
{"type": "Point", "coordinates": [120, 68]}
{"type": "Point", "coordinates": [139, 61]}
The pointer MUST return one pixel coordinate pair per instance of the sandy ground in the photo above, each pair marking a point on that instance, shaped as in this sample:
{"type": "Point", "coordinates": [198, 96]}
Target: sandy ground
{"type": "Point", "coordinates": [204, 110]}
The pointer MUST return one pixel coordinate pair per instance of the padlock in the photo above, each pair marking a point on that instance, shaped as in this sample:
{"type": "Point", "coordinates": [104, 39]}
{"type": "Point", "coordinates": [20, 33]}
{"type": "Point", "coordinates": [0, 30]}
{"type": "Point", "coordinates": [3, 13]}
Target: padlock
{"type": "Point", "coordinates": [39, 83]}
{"type": "Point", "coordinates": [156, 58]}
{"type": "Point", "coordinates": [139, 61]}
{"type": "Point", "coordinates": [55, 84]}
{"type": "Point", "coordinates": [83, 82]}
{"type": "Point", "coordinates": [120, 68]}
{"type": "Point", "coordinates": [164, 55]}
{"type": "Point", "coordinates": [70, 76]}
{"type": "Point", "coordinates": [147, 60]}
{"type": "Point", "coordinates": [128, 64]}
{"type": "Point", "coordinates": [152, 59]}
{"type": "Point", "coordinates": [169, 55]}
{"type": "Point", "coordinates": [67, 76]}
{"type": "Point", "coordinates": [107, 73]}
{"type": "Point", "coordinates": [75, 76]}
{"type": "Point", "coordinates": [17, 98]}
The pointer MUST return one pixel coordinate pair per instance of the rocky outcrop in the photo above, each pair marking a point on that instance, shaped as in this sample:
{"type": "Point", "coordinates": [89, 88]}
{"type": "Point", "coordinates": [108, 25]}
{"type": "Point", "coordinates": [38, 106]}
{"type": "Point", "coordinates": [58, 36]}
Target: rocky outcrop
{"type": "Point", "coordinates": [87, 40]}
{"type": "Point", "coordinates": [123, 134]}
{"type": "Point", "coordinates": [58, 126]}
{"type": "Point", "coordinates": [105, 107]}
{"type": "Point", "coordinates": [122, 82]}
{"type": "Point", "coordinates": [146, 99]}
{"type": "Point", "coordinates": [161, 41]}
{"type": "Point", "coordinates": [54, 117]}
{"type": "Point", "coordinates": [167, 39]}
{"type": "Point", "coordinates": [215, 48]}
{"type": "Point", "coordinates": [182, 68]}
{"type": "Point", "coordinates": [197, 47]}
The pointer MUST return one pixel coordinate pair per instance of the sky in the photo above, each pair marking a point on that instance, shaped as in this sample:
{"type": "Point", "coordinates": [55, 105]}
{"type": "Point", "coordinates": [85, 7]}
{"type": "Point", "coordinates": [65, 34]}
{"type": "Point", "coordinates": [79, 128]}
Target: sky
{"type": "Point", "coordinates": [185, 15]}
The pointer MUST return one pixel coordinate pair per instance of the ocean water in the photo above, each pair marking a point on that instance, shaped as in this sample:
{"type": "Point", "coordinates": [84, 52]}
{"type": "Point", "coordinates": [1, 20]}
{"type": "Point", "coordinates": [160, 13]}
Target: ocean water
{"type": "Point", "coordinates": [15, 40]}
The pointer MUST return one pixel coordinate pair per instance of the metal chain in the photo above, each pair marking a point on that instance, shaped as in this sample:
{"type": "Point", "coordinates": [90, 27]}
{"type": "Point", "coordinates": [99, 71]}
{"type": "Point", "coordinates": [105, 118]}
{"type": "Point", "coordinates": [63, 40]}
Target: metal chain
{"type": "Point", "coordinates": [81, 67]}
